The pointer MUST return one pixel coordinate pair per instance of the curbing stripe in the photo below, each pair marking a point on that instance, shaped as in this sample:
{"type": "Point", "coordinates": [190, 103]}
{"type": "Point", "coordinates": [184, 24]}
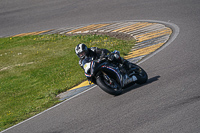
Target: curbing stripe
{"type": "Point", "coordinates": [129, 27]}
{"type": "Point", "coordinates": [150, 42]}
{"type": "Point", "coordinates": [88, 28]}
{"type": "Point", "coordinates": [134, 27]}
{"type": "Point", "coordinates": [154, 34]}
{"type": "Point", "coordinates": [31, 33]}
{"type": "Point", "coordinates": [143, 51]}
{"type": "Point", "coordinates": [113, 26]}
{"type": "Point", "coordinates": [85, 83]}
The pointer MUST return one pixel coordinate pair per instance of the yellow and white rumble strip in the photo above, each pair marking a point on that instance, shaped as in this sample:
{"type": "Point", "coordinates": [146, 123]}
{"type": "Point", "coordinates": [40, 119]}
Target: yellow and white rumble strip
{"type": "Point", "coordinates": [150, 36]}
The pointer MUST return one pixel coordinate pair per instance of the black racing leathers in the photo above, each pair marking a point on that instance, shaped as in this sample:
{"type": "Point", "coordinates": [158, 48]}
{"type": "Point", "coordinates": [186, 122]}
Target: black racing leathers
{"type": "Point", "coordinates": [95, 53]}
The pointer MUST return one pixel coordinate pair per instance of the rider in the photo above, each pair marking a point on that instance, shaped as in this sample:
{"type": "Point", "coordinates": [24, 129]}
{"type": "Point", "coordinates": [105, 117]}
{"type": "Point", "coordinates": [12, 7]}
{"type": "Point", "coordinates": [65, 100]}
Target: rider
{"type": "Point", "coordinates": [83, 51]}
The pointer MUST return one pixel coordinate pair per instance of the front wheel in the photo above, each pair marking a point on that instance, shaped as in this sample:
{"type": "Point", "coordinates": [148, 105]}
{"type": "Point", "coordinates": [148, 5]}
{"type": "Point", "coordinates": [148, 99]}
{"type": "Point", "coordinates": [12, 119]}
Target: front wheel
{"type": "Point", "coordinates": [114, 89]}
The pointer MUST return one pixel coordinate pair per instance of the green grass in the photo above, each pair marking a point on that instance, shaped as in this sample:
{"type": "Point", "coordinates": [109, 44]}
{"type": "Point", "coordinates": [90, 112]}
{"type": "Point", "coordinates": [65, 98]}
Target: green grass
{"type": "Point", "coordinates": [34, 69]}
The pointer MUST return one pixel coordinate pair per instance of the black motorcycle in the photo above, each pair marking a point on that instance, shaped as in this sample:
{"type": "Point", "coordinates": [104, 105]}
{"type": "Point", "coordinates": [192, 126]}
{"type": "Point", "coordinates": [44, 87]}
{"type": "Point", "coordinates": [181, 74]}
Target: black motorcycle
{"type": "Point", "coordinates": [112, 77]}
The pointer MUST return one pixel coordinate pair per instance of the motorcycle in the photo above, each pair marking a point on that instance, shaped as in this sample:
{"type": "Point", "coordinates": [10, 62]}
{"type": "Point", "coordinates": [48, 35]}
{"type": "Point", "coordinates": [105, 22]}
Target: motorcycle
{"type": "Point", "coordinates": [112, 77]}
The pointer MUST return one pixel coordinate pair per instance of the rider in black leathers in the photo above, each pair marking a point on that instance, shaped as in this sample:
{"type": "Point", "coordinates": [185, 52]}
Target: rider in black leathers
{"type": "Point", "coordinates": [83, 51]}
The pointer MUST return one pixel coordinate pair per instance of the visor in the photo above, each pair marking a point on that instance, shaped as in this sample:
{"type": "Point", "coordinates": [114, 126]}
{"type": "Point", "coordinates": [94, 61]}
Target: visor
{"type": "Point", "coordinates": [82, 54]}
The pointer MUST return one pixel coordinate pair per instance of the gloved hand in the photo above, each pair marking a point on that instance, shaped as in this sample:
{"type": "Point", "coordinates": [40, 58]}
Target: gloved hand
{"type": "Point", "coordinates": [111, 57]}
{"type": "Point", "coordinates": [102, 57]}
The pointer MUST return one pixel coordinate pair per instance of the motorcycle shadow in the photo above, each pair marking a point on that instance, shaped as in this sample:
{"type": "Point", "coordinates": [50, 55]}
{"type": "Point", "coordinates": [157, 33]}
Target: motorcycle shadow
{"type": "Point", "coordinates": [135, 86]}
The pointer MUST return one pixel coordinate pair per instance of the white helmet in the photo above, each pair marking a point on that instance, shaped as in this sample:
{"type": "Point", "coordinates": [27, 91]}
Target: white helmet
{"type": "Point", "coordinates": [81, 50]}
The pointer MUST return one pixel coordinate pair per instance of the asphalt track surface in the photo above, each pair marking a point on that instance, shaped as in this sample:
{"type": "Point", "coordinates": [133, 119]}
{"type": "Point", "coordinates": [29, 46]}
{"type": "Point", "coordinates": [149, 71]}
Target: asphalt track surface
{"type": "Point", "coordinates": [169, 102]}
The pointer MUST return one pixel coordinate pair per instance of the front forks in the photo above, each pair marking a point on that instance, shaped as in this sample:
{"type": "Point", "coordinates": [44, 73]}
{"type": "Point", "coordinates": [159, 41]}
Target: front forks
{"type": "Point", "coordinates": [107, 78]}
{"type": "Point", "coordinates": [110, 82]}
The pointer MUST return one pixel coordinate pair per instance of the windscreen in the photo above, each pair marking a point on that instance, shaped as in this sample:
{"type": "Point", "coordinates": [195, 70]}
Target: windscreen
{"type": "Point", "coordinates": [86, 64]}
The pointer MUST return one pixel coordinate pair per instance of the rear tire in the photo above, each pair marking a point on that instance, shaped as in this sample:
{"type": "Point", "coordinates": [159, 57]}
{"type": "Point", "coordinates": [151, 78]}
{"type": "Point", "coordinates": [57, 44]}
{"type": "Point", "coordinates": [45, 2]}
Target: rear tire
{"type": "Point", "coordinates": [141, 75]}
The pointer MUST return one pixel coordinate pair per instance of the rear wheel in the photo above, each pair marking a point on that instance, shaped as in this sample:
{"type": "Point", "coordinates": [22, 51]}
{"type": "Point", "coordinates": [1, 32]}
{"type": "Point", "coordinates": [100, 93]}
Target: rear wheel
{"type": "Point", "coordinates": [140, 74]}
{"type": "Point", "coordinates": [109, 85]}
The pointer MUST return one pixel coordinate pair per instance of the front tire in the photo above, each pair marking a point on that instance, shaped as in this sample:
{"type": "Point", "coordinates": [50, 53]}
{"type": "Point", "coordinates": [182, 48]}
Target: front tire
{"type": "Point", "coordinates": [101, 82]}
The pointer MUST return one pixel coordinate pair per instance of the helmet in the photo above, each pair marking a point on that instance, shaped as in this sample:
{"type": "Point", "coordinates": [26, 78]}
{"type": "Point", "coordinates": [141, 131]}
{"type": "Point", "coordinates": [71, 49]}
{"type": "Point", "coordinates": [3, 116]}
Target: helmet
{"type": "Point", "coordinates": [81, 50]}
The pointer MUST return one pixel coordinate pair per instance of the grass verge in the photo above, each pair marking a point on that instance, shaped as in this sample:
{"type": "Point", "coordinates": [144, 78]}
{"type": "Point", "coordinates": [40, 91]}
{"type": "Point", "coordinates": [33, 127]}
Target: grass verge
{"type": "Point", "coordinates": [34, 69]}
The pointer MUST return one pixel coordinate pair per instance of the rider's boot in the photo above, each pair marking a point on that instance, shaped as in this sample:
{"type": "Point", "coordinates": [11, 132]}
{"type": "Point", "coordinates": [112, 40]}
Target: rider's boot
{"type": "Point", "coordinates": [134, 78]}
{"type": "Point", "coordinates": [129, 68]}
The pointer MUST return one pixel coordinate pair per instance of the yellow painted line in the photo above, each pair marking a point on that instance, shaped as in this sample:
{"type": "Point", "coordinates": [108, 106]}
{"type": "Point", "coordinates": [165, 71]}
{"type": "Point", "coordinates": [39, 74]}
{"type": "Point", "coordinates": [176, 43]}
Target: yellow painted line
{"type": "Point", "coordinates": [88, 28]}
{"type": "Point", "coordinates": [143, 51]}
{"type": "Point", "coordinates": [133, 27]}
{"type": "Point", "coordinates": [85, 83]}
{"type": "Point", "coordinates": [154, 34]}
{"type": "Point", "coordinates": [31, 33]}
{"type": "Point", "coordinates": [127, 27]}
{"type": "Point", "coordinates": [139, 27]}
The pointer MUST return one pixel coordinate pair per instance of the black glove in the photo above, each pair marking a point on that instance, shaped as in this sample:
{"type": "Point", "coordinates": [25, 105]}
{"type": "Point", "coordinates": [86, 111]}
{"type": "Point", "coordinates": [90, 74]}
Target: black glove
{"type": "Point", "coordinates": [102, 57]}
{"type": "Point", "coordinates": [111, 57]}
